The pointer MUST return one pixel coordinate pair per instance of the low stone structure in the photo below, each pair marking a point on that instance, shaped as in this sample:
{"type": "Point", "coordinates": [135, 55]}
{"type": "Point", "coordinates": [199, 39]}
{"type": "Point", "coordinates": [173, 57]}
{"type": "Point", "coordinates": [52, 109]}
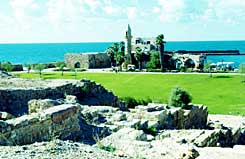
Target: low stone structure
{"type": "Point", "coordinates": [60, 121]}
{"type": "Point", "coordinates": [87, 60]}
{"type": "Point", "coordinates": [16, 93]}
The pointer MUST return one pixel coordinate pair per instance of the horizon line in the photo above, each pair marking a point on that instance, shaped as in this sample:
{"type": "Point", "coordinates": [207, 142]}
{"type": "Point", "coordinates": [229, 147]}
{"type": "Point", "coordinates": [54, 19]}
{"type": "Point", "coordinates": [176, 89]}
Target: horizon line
{"type": "Point", "coordinates": [116, 41]}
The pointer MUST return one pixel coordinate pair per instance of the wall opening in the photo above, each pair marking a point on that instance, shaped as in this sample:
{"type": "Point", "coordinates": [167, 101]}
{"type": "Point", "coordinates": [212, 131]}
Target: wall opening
{"type": "Point", "coordinates": [189, 63]}
{"type": "Point", "coordinates": [77, 65]}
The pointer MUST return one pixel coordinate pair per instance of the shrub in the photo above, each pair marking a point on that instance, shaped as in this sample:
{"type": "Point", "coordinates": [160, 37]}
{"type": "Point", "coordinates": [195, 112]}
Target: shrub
{"type": "Point", "coordinates": [108, 148]}
{"type": "Point", "coordinates": [179, 97]}
{"type": "Point", "coordinates": [132, 102]}
{"type": "Point", "coordinates": [151, 130]}
{"type": "Point", "coordinates": [183, 69]}
{"type": "Point", "coordinates": [100, 145]}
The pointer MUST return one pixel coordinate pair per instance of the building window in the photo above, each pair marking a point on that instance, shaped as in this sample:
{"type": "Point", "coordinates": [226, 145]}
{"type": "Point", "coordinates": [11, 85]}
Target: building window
{"type": "Point", "coordinates": [148, 42]}
{"type": "Point", "coordinates": [77, 65]}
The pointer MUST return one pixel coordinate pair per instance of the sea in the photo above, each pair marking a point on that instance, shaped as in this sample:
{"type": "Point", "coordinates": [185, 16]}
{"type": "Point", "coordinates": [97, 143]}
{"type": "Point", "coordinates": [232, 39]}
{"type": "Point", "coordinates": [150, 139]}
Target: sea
{"type": "Point", "coordinates": [52, 52]}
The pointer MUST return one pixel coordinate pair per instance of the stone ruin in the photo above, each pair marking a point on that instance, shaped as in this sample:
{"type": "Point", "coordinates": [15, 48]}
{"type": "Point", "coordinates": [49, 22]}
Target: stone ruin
{"type": "Point", "coordinates": [35, 110]}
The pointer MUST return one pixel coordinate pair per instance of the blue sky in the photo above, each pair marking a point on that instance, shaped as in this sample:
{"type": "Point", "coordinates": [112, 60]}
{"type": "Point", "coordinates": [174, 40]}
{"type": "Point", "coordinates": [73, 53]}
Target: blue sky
{"type": "Point", "coordinates": [31, 21]}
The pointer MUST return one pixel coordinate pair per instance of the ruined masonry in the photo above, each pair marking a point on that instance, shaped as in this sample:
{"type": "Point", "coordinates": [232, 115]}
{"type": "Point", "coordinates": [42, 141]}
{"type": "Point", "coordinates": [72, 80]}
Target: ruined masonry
{"type": "Point", "coordinates": [83, 111]}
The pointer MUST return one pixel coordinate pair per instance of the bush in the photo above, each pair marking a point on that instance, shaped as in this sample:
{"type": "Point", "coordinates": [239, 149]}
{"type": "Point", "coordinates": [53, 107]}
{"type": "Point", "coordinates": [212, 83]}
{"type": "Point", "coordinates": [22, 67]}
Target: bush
{"type": "Point", "coordinates": [132, 102]}
{"type": "Point", "coordinates": [183, 69]}
{"type": "Point", "coordinates": [151, 130]}
{"type": "Point", "coordinates": [6, 66]}
{"type": "Point", "coordinates": [179, 97]}
{"type": "Point", "coordinates": [153, 70]}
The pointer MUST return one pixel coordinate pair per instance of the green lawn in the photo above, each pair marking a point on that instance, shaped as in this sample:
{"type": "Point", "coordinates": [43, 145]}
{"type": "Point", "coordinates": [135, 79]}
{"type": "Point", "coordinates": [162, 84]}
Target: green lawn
{"type": "Point", "coordinates": [222, 94]}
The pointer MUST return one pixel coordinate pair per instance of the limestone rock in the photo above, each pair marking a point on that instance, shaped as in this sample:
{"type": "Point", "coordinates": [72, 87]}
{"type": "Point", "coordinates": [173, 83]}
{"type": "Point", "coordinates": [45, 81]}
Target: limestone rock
{"type": "Point", "coordinates": [38, 105]}
{"type": "Point", "coordinates": [237, 152]}
{"type": "Point", "coordinates": [191, 154]}
{"type": "Point", "coordinates": [71, 99]}
{"type": "Point", "coordinates": [119, 116]}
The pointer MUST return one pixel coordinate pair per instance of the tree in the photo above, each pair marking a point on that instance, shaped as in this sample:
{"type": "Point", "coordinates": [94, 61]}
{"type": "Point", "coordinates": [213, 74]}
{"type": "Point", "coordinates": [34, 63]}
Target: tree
{"type": "Point", "coordinates": [122, 47]}
{"type": "Point", "coordinates": [40, 68]}
{"type": "Point", "coordinates": [207, 67]}
{"type": "Point", "coordinates": [61, 66]}
{"type": "Point", "coordinates": [7, 66]}
{"type": "Point", "coordinates": [119, 59]}
{"type": "Point", "coordinates": [160, 44]}
{"type": "Point", "coordinates": [139, 56]}
{"type": "Point", "coordinates": [29, 66]}
{"type": "Point", "coordinates": [242, 70]}
{"type": "Point", "coordinates": [111, 53]}
{"type": "Point", "coordinates": [154, 62]}
{"type": "Point", "coordinates": [115, 47]}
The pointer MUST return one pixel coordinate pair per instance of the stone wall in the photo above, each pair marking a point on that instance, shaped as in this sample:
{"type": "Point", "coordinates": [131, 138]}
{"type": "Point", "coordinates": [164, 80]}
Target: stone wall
{"type": "Point", "coordinates": [87, 60]}
{"type": "Point", "coordinates": [15, 100]}
{"type": "Point", "coordinates": [59, 121]}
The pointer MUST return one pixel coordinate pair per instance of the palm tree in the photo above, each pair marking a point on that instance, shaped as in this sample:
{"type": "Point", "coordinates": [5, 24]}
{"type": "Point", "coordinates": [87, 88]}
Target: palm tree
{"type": "Point", "coordinates": [61, 66]}
{"type": "Point", "coordinates": [115, 47]}
{"type": "Point", "coordinates": [160, 43]}
{"type": "Point", "coordinates": [40, 68]}
{"type": "Point", "coordinates": [111, 53]}
{"type": "Point", "coordinates": [119, 59]}
{"type": "Point", "coordinates": [122, 47]}
{"type": "Point", "coordinates": [29, 66]}
{"type": "Point", "coordinates": [139, 56]}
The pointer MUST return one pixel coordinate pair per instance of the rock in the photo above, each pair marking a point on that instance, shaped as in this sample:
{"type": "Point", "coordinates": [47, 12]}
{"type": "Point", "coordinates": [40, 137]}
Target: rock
{"type": "Point", "coordinates": [4, 74]}
{"type": "Point", "coordinates": [6, 116]}
{"type": "Point", "coordinates": [208, 138]}
{"type": "Point", "coordinates": [119, 116]}
{"type": "Point", "coordinates": [70, 99]}
{"type": "Point", "coordinates": [196, 117]}
{"type": "Point", "coordinates": [238, 152]}
{"type": "Point", "coordinates": [164, 117]}
{"type": "Point", "coordinates": [97, 114]}
{"type": "Point", "coordinates": [190, 154]}
{"type": "Point", "coordinates": [38, 105]}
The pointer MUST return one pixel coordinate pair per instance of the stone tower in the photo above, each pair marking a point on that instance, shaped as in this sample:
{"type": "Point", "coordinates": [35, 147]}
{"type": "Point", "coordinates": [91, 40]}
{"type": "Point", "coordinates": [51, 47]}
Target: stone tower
{"type": "Point", "coordinates": [129, 44]}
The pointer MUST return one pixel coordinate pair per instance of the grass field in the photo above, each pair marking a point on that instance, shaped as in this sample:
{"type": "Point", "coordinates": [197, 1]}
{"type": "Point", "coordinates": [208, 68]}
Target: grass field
{"type": "Point", "coordinates": [223, 94]}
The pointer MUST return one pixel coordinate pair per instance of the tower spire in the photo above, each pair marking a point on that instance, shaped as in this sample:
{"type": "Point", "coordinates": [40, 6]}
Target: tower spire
{"type": "Point", "coordinates": [129, 44]}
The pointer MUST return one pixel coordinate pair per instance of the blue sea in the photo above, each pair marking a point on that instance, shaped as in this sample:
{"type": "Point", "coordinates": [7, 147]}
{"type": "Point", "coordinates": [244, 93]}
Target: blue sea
{"type": "Point", "coordinates": [51, 52]}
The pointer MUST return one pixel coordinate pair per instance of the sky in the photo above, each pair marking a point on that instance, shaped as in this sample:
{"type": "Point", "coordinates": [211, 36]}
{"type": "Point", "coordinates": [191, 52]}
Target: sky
{"type": "Point", "coordinates": [44, 21]}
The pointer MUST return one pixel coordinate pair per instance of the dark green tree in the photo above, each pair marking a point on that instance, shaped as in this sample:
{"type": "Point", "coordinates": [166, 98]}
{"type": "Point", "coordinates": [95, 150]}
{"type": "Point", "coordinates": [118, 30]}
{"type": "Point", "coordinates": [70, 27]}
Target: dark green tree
{"type": "Point", "coordinates": [154, 62]}
{"type": "Point", "coordinates": [7, 66]}
{"type": "Point", "coordinates": [120, 58]}
{"type": "Point", "coordinates": [111, 53]}
{"type": "Point", "coordinates": [160, 43]}
{"type": "Point", "coordinates": [139, 56]}
{"type": "Point", "coordinates": [115, 47]}
{"type": "Point", "coordinates": [122, 47]}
